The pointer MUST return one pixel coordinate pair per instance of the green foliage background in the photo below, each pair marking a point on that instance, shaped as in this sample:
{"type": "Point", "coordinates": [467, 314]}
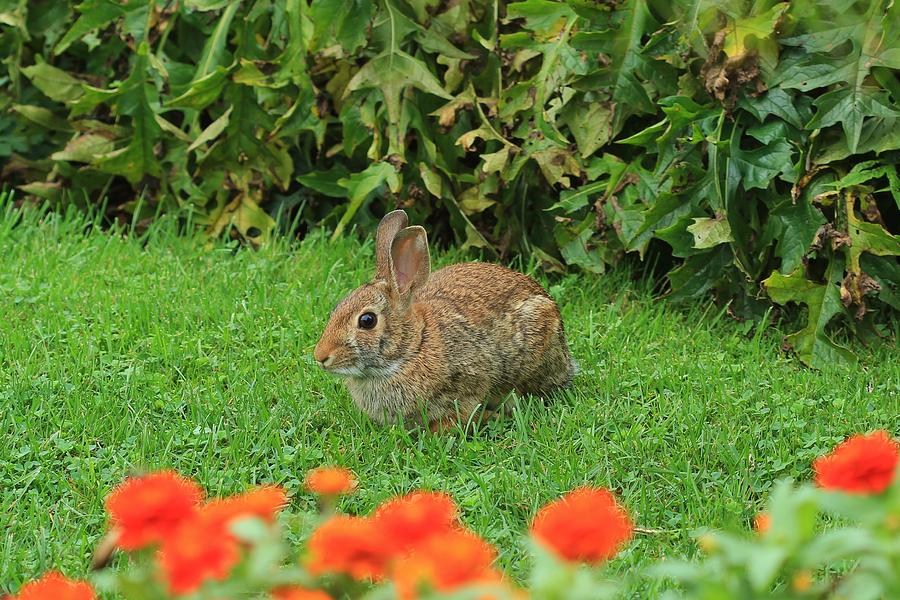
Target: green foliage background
{"type": "Point", "coordinates": [747, 149]}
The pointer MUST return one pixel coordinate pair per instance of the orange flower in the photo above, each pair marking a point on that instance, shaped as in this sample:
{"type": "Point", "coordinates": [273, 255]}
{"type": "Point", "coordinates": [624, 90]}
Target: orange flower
{"type": "Point", "coordinates": [264, 503]}
{"type": "Point", "coordinates": [298, 593]}
{"type": "Point", "coordinates": [147, 509]}
{"type": "Point", "coordinates": [862, 464]}
{"type": "Point", "coordinates": [444, 563]}
{"type": "Point", "coordinates": [54, 586]}
{"type": "Point", "coordinates": [762, 522]}
{"type": "Point", "coordinates": [199, 550]}
{"type": "Point", "coordinates": [409, 520]}
{"type": "Point", "coordinates": [330, 481]}
{"type": "Point", "coordinates": [348, 545]}
{"type": "Point", "coordinates": [585, 525]}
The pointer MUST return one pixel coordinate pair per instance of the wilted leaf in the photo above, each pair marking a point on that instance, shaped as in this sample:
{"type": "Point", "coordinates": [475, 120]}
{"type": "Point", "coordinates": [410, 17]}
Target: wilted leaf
{"type": "Point", "coordinates": [85, 148]}
{"type": "Point", "coordinates": [495, 161]}
{"type": "Point", "coordinates": [556, 165]}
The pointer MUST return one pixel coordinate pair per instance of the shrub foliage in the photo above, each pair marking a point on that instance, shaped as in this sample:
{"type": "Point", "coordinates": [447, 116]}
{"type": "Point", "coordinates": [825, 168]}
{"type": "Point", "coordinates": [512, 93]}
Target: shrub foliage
{"type": "Point", "coordinates": [747, 148]}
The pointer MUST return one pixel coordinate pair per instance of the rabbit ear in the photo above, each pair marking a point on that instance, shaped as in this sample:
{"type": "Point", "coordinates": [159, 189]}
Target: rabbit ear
{"type": "Point", "coordinates": [410, 262]}
{"type": "Point", "coordinates": [388, 229]}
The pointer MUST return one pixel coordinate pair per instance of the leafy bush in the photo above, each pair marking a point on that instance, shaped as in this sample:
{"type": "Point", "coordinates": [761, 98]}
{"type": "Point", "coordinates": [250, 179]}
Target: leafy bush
{"type": "Point", "coordinates": [747, 149]}
{"type": "Point", "coordinates": [415, 547]}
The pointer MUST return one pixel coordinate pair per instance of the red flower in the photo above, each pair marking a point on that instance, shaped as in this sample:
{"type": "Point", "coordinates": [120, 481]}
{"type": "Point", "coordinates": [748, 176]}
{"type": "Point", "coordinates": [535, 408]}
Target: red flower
{"type": "Point", "coordinates": [264, 503]}
{"type": "Point", "coordinates": [297, 593]}
{"type": "Point", "coordinates": [199, 550]}
{"type": "Point", "coordinates": [54, 586]}
{"type": "Point", "coordinates": [585, 525]}
{"type": "Point", "coordinates": [330, 481]}
{"type": "Point", "coordinates": [862, 464]}
{"type": "Point", "coordinates": [147, 509]}
{"type": "Point", "coordinates": [349, 545]}
{"type": "Point", "coordinates": [762, 522]}
{"type": "Point", "coordinates": [444, 563]}
{"type": "Point", "coordinates": [409, 520]}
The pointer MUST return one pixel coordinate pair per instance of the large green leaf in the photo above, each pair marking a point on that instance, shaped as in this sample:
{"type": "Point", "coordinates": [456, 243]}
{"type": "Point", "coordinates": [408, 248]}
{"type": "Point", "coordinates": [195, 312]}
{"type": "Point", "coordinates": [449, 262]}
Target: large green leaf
{"type": "Point", "coordinates": [55, 83]}
{"type": "Point", "coordinates": [360, 185]}
{"type": "Point", "coordinates": [135, 98]}
{"type": "Point", "coordinates": [794, 226]}
{"type": "Point", "coordinates": [342, 22]}
{"type": "Point", "coordinates": [874, 43]}
{"type": "Point", "coordinates": [823, 302]}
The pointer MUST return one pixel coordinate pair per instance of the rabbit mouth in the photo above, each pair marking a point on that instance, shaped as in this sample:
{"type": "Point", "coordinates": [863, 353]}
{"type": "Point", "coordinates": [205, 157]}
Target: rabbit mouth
{"type": "Point", "coordinates": [364, 372]}
{"type": "Point", "coordinates": [346, 371]}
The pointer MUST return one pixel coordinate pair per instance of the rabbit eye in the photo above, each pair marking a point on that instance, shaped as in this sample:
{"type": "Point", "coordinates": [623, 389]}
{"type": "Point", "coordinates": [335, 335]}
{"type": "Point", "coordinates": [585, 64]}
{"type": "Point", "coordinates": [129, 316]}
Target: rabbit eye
{"type": "Point", "coordinates": [367, 320]}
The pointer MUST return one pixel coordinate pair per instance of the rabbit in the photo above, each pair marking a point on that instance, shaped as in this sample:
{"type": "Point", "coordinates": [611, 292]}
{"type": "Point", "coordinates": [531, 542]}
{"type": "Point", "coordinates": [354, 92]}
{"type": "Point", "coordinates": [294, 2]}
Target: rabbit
{"type": "Point", "coordinates": [431, 348]}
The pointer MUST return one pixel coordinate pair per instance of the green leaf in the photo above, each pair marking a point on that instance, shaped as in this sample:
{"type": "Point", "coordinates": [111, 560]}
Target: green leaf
{"type": "Point", "coordinates": [794, 226]}
{"type": "Point", "coordinates": [432, 180]}
{"type": "Point", "coordinates": [55, 83]}
{"type": "Point", "coordinates": [590, 125]}
{"type": "Point", "coordinates": [473, 201]}
{"type": "Point", "coordinates": [764, 564]}
{"type": "Point", "coordinates": [392, 72]}
{"type": "Point", "coordinates": [42, 116]}
{"type": "Point", "coordinates": [342, 22]}
{"type": "Point", "coordinates": [576, 247]}
{"type": "Point", "coordinates": [774, 102]}
{"type": "Point", "coordinates": [758, 167]}
{"type": "Point", "coordinates": [539, 15]}
{"type": "Point", "coordinates": [873, 42]}
{"type": "Point", "coordinates": [360, 185]}
{"type": "Point", "coordinates": [214, 130]}
{"type": "Point", "coordinates": [871, 238]}
{"type": "Point", "coordinates": [678, 237]}
{"type": "Point", "coordinates": [850, 107]}
{"type": "Point", "coordinates": [326, 182]}
{"type": "Point", "coordinates": [214, 48]}
{"type": "Point", "coordinates": [624, 46]}
{"type": "Point", "coordinates": [135, 98]}
{"type": "Point", "coordinates": [556, 165]}
{"type": "Point", "coordinates": [201, 92]}
{"type": "Point", "coordinates": [95, 14]}
{"type": "Point", "coordinates": [699, 273]}
{"type": "Point", "coordinates": [823, 302]}
{"type": "Point", "coordinates": [710, 232]}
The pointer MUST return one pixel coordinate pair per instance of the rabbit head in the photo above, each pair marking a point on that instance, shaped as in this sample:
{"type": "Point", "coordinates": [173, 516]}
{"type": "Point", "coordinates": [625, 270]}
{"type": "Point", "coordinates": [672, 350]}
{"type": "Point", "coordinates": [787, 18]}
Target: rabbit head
{"type": "Point", "coordinates": [370, 332]}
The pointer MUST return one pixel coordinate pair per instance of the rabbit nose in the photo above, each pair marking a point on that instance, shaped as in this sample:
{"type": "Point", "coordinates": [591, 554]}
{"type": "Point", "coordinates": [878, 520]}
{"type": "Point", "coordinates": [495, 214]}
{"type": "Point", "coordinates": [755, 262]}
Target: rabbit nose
{"type": "Point", "coordinates": [323, 356]}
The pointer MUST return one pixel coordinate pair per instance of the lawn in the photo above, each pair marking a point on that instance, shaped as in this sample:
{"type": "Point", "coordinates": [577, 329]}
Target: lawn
{"type": "Point", "coordinates": [120, 354]}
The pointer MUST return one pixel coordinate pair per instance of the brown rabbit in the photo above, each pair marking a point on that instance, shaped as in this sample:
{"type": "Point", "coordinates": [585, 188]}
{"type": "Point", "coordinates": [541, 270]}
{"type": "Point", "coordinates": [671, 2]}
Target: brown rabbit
{"type": "Point", "coordinates": [412, 343]}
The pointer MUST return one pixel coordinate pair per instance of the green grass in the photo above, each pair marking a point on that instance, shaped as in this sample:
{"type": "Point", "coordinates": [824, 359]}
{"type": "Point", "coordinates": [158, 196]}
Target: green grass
{"type": "Point", "coordinates": [118, 355]}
